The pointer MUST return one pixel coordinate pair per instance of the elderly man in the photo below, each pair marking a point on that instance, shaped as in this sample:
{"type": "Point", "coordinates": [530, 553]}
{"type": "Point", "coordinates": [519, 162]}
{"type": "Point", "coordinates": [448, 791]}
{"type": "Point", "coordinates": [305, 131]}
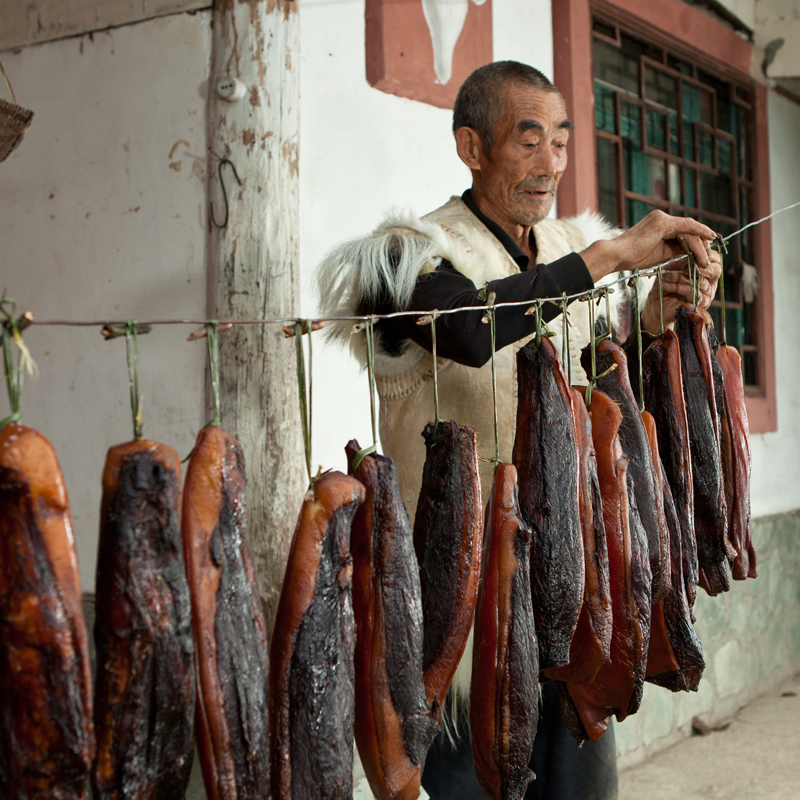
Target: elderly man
{"type": "Point", "coordinates": [512, 132]}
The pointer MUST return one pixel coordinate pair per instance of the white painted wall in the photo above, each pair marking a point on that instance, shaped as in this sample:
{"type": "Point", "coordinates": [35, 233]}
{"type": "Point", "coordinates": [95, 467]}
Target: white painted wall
{"type": "Point", "coordinates": [99, 218]}
{"type": "Point", "coordinates": [362, 152]}
{"type": "Point", "coordinates": [776, 456]}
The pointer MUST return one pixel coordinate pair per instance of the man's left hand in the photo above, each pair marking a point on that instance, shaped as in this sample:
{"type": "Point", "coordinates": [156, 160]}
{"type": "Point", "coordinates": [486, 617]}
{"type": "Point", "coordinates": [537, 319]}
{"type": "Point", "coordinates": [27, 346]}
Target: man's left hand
{"type": "Point", "coordinates": [677, 290]}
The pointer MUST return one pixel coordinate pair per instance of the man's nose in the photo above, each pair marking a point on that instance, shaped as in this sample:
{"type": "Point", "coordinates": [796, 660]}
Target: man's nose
{"type": "Point", "coordinates": [549, 162]}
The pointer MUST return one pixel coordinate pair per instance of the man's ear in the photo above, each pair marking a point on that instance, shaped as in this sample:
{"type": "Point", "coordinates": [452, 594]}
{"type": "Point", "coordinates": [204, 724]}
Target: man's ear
{"type": "Point", "coordinates": [470, 147]}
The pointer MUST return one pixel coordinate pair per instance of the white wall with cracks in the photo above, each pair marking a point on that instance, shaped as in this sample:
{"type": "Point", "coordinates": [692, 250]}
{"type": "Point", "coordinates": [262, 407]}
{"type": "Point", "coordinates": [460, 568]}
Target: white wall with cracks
{"type": "Point", "coordinates": [103, 214]}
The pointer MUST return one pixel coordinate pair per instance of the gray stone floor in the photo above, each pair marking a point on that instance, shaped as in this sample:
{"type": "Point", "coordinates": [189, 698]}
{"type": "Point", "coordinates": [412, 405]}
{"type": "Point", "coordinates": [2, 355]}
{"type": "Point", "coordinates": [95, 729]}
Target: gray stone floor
{"type": "Point", "coordinates": [757, 757]}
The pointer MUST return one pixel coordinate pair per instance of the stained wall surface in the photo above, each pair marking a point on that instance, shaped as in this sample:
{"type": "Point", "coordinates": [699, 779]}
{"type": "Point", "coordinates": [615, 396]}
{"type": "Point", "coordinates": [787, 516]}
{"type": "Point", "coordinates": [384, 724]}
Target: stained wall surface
{"type": "Point", "coordinates": [102, 215]}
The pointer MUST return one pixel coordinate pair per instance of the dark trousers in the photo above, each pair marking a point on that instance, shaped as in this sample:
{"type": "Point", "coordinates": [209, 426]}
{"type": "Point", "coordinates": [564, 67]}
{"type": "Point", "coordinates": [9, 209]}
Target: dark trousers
{"type": "Point", "coordinates": [563, 772]}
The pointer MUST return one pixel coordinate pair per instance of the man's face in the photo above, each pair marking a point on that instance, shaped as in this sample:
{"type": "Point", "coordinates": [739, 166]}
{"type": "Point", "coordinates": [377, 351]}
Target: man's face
{"type": "Point", "coordinates": [528, 158]}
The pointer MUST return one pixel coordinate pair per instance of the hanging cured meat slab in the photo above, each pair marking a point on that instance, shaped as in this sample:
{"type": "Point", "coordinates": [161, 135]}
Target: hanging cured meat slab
{"type": "Point", "coordinates": [312, 683]}
{"type": "Point", "coordinates": [591, 642]}
{"type": "Point", "coordinates": [546, 457]}
{"type": "Point", "coordinates": [611, 366]}
{"type": "Point", "coordinates": [744, 563]}
{"type": "Point", "coordinates": [705, 439]}
{"type": "Point", "coordinates": [45, 676]}
{"type": "Point", "coordinates": [145, 693]}
{"type": "Point", "coordinates": [228, 621]}
{"type": "Point", "coordinates": [617, 687]}
{"type": "Point", "coordinates": [664, 399]}
{"type": "Point", "coordinates": [448, 536]}
{"type": "Point", "coordinates": [675, 655]}
{"type": "Point", "coordinates": [504, 687]}
{"type": "Point", "coordinates": [394, 723]}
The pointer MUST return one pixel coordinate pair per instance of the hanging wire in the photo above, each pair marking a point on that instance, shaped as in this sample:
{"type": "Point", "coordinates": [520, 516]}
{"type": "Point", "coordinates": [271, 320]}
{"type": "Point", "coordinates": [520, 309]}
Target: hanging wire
{"type": "Point", "coordinates": [635, 281]}
{"type": "Point", "coordinates": [132, 357]}
{"type": "Point", "coordinates": [661, 298]}
{"type": "Point", "coordinates": [304, 387]}
{"type": "Point", "coordinates": [592, 345]}
{"type": "Point", "coordinates": [722, 247]}
{"type": "Point", "coordinates": [212, 337]}
{"type": "Point", "coordinates": [492, 330]}
{"type": "Point", "coordinates": [565, 354]}
{"type": "Point", "coordinates": [437, 419]}
{"type": "Point", "coordinates": [370, 333]}
{"type": "Point", "coordinates": [607, 293]}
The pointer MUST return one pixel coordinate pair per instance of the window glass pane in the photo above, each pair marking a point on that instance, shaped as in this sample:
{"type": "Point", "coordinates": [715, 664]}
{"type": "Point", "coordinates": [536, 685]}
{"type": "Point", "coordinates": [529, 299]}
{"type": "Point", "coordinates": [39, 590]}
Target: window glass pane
{"type": "Point", "coordinates": [706, 107]}
{"type": "Point", "coordinates": [674, 184]}
{"type": "Point", "coordinates": [705, 149]}
{"type": "Point", "coordinates": [688, 141]}
{"type": "Point", "coordinates": [742, 141]}
{"type": "Point", "coordinates": [750, 364]}
{"type": "Point", "coordinates": [749, 321]}
{"type": "Point", "coordinates": [680, 66]}
{"type": "Point", "coordinates": [644, 174]}
{"type": "Point", "coordinates": [660, 88]}
{"type": "Point", "coordinates": [674, 143]}
{"type": "Point", "coordinates": [604, 28]}
{"type": "Point", "coordinates": [656, 126]}
{"type": "Point", "coordinates": [613, 66]}
{"type": "Point", "coordinates": [637, 47]}
{"type": "Point", "coordinates": [607, 179]}
{"type": "Point", "coordinates": [690, 102]}
{"type": "Point", "coordinates": [603, 107]}
{"type": "Point", "coordinates": [629, 121]}
{"type": "Point", "coordinates": [724, 156]}
{"type": "Point", "coordinates": [691, 199]}
{"type": "Point", "coordinates": [635, 211]}
{"type": "Point", "coordinates": [734, 327]}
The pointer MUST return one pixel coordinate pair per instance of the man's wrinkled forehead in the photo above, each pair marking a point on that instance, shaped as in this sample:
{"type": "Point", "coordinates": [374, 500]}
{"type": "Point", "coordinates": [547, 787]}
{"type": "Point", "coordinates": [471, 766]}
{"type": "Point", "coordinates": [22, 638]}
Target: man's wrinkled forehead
{"type": "Point", "coordinates": [528, 109]}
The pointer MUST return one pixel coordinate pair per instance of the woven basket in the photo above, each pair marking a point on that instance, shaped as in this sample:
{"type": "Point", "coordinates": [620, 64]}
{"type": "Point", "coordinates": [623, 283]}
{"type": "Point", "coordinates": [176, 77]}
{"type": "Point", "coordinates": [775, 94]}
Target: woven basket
{"type": "Point", "coordinates": [14, 121]}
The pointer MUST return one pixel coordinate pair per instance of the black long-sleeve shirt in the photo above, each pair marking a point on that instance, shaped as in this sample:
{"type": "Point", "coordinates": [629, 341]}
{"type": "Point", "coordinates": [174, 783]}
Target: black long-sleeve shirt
{"type": "Point", "coordinates": [463, 337]}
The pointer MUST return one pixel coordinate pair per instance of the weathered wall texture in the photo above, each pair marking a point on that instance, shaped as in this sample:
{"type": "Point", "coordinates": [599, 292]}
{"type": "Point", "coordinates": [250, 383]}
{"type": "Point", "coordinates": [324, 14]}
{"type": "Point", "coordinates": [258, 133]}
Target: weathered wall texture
{"type": "Point", "coordinates": [751, 639]}
{"type": "Point", "coordinates": [103, 214]}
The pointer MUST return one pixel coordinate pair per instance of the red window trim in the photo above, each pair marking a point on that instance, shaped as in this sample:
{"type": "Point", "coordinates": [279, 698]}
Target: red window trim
{"type": "Point", "coordinates": [682, 27]}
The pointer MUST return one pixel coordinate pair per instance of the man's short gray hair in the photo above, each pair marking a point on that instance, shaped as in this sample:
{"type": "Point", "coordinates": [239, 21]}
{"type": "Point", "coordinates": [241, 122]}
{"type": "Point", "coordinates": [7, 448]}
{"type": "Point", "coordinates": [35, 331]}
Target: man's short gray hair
{"type": "Point", "coordinates": [479, 103]}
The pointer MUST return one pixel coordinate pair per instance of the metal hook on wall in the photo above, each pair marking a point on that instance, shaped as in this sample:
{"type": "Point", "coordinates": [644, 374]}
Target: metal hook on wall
{"type": "Point", "coordinates": [222, 163]}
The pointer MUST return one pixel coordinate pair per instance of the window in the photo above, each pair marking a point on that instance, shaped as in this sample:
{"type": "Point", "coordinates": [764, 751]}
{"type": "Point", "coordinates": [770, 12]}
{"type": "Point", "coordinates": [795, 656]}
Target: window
{"type": "Point", "coordinates": [674, 134]}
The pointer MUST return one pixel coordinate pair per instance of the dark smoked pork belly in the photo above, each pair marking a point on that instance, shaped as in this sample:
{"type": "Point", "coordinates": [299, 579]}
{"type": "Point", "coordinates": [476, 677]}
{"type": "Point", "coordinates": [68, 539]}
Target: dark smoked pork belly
{"type": "Point", "coordinates": [504, 687]}
{"type": "Point", "coordinates": [312, 683]}
{"type": "Point", "coordinates": [394, 723]}
{"type": "Point", "coordinates": [45, 677]}
{"type": "Point", "coordinates": [648, 503]}
{"type": "Point", "coordinates": [228, 622]}
{"type": "Point", "coordinates": [546, 457]}
{"type": "Point", "coordinates": [145, 693]}
{"type": "Point", "coordinates": [448, 535]}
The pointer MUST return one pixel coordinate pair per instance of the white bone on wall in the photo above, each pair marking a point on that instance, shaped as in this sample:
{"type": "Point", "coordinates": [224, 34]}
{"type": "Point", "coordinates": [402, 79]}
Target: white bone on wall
{"type": "Point", "coordinates": [445, 20]}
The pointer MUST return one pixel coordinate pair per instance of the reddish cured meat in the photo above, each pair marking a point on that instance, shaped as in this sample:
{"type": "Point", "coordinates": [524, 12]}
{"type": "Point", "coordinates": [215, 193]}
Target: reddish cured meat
{"type": "Point", "coordinates": [45, 678]}
{"type": "Point", "coordinates": [145, 692]}
{"type": "Point", "coordinates": [617, 687]}
{"type": "Point", "coordinates": [744, 564]}
{"type": "Point", "coordinates": [705, 437]}
{"type": "Point", "coordinates": [663, 396]}
{"type": "Point", "coordinates": [504, 689]}
{"type": "Point", "coordinates": [394, 723]}
{"type": "Point", "coordinates": [643, 497]}
{"type": "Point", "coordinates": [675, 655]}
{"type": "Point", "coordinates": [228, 621]}
{"type": "Point", "coordinates": [546, 458]}
{"type": "Point", "coordinates": [312, 684]}
{"type": "Point", "coordinates": [591, 642]}
{"type": "Point", "coordinates": [448, 536]}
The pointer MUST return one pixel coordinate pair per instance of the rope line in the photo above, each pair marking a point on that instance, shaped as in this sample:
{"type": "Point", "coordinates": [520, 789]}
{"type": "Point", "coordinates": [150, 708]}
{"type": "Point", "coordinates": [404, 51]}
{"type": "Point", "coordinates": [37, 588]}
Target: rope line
{"type": "Point", "coordinates": [652, 271]}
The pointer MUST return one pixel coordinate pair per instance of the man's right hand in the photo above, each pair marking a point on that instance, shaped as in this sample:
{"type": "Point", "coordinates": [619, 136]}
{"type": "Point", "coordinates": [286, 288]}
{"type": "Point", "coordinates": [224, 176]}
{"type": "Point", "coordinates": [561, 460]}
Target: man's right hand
{"type": "Point", "coordinates": [650, 242]}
